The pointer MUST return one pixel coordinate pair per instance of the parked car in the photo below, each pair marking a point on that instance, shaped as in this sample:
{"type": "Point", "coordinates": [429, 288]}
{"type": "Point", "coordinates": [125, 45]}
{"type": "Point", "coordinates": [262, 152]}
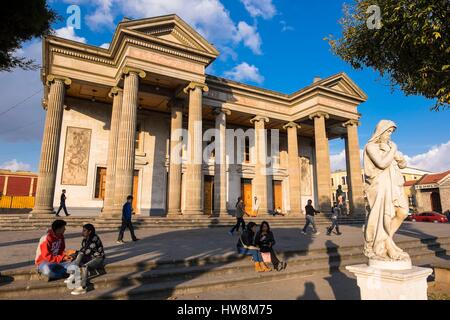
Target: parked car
{"type": "Point", "coordinates": [430, 216]}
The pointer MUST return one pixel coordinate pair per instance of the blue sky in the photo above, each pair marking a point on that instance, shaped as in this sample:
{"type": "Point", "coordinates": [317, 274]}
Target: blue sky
{"type": "Point", "coordinates": [275, 44]}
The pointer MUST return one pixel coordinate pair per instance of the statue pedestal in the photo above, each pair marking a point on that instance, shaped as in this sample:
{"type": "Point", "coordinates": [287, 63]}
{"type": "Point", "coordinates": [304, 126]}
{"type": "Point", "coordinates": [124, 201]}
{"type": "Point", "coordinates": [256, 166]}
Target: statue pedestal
{"type": "Point", "coordinates": [375, 282]}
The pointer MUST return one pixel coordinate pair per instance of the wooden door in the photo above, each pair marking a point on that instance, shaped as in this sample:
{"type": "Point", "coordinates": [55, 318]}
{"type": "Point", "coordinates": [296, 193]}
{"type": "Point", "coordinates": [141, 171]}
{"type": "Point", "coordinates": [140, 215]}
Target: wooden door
{"type": "Point", "coordinates": [135, 189]}
{"type": "Point", "coordinates": [436, 202]}
{"type": "Point", "coordinates": [277, 195]}
{"type": "Point", "coordinates": [100, 184]}
{"type": "Point", "coordinates": [246, 194]}
{"type": "Point", "coordinates": [208, 193]}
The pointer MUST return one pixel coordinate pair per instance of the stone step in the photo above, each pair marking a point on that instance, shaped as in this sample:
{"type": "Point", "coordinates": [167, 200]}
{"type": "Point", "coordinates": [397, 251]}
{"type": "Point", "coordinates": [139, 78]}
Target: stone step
{"type": "Point", "coordinates": [121, 276]}
{"type": "Point", "coordinates": [146, 286]}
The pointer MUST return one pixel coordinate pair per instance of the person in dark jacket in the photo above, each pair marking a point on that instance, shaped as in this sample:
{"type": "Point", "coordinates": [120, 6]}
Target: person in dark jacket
{"type": "Point", "coordinates": [62, 204]}
{"type": "Point", "coordinates": [246, 245]}
{"type": "Point", "coordinates": [127, 212]}
{"type": "Point", "coordinates": [240, 212]}
{"type": "Point", "coordinates": [265, 240]}
{"type": "Point", "coordinates": [335, 213]}
{"type": "Point", "coordinates": [90, 257]}
{"type": "Point", "coordinates": [310, 213]}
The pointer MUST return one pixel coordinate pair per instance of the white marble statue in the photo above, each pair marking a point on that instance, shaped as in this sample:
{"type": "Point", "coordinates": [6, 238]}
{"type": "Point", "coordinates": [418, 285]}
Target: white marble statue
{"type": "Point", "coordinates": [384, 191]}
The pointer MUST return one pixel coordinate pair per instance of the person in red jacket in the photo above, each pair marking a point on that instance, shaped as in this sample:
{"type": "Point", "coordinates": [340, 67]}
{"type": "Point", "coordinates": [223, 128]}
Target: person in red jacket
{"type": "Point", "coordinates": [51, 259]}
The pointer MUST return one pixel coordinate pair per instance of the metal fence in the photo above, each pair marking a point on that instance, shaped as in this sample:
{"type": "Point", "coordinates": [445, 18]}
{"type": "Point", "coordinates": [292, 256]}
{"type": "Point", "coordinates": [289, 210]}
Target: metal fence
{"type": "Point", "coordinates": [16, 202]}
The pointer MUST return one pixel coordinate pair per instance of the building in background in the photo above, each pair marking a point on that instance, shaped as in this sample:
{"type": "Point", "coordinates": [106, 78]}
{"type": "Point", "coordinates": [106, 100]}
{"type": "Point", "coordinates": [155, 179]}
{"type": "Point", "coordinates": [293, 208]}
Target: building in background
{"type": "Point", "coordinates": [17, 189]}
{"type": "Point", "coordinates": [432, 192]}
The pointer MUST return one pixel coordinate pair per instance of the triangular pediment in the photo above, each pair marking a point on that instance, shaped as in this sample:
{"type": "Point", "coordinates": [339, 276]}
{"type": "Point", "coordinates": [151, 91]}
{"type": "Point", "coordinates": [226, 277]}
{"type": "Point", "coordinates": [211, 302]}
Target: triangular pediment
{"type": "Point", "coordinates": [172, 29]}
{"type": "Point", "coordinates": [342, 83]}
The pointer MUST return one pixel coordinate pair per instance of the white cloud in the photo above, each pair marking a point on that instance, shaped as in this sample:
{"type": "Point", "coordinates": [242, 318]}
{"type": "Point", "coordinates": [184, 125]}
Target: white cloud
{"type": "Point", "coordinates": [285, 26]}
{"type": "Point", "coordinates": [245, 72]}
{"type": "Point", "coordinates": [15, 165]}
{"type": "Point", "coordinates": [105, 45]}
{"type": "Point", "coordinates": [69, 33]}
{"type": "Point", "coordinates": [102, 16]}
{"type": "Point", "coordinates": [260, 8]}
{"type": "Point", "coordinates": [437, 159]}
{"type": "Point", "coordinates": [250, 36]}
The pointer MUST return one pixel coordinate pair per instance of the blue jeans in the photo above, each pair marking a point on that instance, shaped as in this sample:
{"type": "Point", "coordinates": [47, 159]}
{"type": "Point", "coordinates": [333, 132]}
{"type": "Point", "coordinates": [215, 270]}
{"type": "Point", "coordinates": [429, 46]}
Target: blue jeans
{"type": "Point", "coordinates": [53, 270]}
{"type": "Point", "coordinates": [251, 252]}
{"type": "Point", "coordinates": [310, 221]}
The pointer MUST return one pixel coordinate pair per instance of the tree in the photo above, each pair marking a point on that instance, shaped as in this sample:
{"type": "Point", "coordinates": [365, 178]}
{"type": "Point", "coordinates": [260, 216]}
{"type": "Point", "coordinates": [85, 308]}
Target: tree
{"type": "Point", "coordinates": [22, 20]}
{"type": "Point", "coordinates": [410, 45]}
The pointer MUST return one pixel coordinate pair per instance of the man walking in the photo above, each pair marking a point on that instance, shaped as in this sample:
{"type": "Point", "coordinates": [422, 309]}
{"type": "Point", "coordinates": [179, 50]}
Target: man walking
{"type": "Point", "coordinates": [62, 204]}
{"type": "Point", "coordinates": [239, 216]}
{"type": "Point", "coordinates": [127, 212]}
{"type": "Point", "coordinates": [335, 212]}
{"type": "Point", "coordinates": [310, 212]}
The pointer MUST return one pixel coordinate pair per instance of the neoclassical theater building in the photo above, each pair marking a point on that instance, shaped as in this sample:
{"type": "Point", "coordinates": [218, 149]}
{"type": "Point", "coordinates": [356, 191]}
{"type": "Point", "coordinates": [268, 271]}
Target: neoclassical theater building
{"type": "Point", "coordinates": [110, 114]}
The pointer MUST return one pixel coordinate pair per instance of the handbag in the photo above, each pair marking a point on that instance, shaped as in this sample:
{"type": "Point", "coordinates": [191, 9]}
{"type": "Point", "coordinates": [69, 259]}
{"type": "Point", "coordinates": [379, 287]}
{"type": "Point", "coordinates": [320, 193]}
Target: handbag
{"type": "Point", "coordinates": [266, 256]}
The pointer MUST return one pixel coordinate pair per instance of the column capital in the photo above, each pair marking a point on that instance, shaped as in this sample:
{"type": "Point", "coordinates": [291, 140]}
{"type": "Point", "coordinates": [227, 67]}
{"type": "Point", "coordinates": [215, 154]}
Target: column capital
{"type": "Point", "coordinates": [127, 70]}
{"type": "Point", "coordinates": [351, 122]}
{"type": "Point", "coordinates": [319, 114]}
{"type": "Point", "coordinates": [51, 78]}
{"type": "Point", "coordinates": [291, 124]}
{"type": "Point", "coordinates": [218, 110]}
{"type": "Point", "coordinates": [114, 91]}
{"type": "Point", "coordinates": [259, 118]}
{"type": "Point", "coordinates": [192, 85]}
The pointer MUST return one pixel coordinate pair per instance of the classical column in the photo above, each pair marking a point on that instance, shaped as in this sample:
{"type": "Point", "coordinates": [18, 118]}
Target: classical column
{"type": "Point", "coordinates": [220, 166]}
{"type": "Point", "coordinates": [30, 192]}
{"type": "Point", "coordinates": [323, 171]}
{"type": "Point", "coordinates": [260, 181]}
{"type": "Point", "coordinates": [175, 164]}
{"type": "Point", "coordinates": [194, 178]}
{"type": "Point", "coordinates": [108, 205]}
{"type": "Point", "coordinates": [5, 186]}
{"type": "Point", "coordinates": [354, 180]}
{"type": "Point", "coordinates": [126, 140]}
{"type": "Point", "coordinates": [294, 168]}
{"type": "Point", "coordinates": [48, 164]}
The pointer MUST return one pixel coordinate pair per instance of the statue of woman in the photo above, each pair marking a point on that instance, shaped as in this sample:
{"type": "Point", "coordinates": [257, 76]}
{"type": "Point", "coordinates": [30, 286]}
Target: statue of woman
{"type": "Point", "coordinates": [384, 190]}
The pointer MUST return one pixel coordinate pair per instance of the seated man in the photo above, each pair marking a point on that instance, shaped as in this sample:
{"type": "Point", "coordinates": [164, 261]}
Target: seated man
{"type": "Point", "coordinates": [51, 260]}
{"type": "Point", "coordinates": [90, 257]}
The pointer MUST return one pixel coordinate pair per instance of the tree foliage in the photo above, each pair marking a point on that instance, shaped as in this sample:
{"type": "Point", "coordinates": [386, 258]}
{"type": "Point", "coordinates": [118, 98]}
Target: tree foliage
{"type": "Point", "coordinates": [22, 20]}
{"type": "Point", "coordinates": [411, 47]}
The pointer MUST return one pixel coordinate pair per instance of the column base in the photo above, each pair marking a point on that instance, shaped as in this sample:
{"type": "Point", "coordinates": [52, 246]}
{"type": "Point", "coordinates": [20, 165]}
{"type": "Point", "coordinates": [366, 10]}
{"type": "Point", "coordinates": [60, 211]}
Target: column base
{"type": "Point", "coordinates": [173, 214]}
{"type": "Point", "coordinates": [383, 284]}
{"type": "Point", "coordinates": [221, 213]}
{"type": "Point", "coordinates": [42, 212]}
{"type": "Point", "coordinates": [194, 214]}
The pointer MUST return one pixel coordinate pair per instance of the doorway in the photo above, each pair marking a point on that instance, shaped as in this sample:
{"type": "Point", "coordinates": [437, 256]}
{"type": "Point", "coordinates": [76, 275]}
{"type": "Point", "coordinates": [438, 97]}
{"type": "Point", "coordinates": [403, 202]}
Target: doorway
{"type": "Point", "coordinates": [135, 189]}
{"type": "Point", "coordinates": [277, 194]}
{"type": "Point", "coordinates": [436, 201]}
{"type": "Point", "coordinates": [208, 194]}
{"type": "Point", "coordinates": [246, 194]}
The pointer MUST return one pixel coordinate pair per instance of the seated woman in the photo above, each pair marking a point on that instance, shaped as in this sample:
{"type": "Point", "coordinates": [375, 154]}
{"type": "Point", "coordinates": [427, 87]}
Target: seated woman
{"type": "Point", "coordinates": [246, 245]}
{"type": "Point", "coordinates": [90, 257]}
{"type": "Point", "coordinates": [265, 241]}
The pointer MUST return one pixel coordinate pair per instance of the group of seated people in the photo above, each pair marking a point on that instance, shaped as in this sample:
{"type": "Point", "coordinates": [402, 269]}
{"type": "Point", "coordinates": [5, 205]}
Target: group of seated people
{"type": "Point", "coordinates": [55, 262]}
{"type": "Point", "coordinates": [259, 245]}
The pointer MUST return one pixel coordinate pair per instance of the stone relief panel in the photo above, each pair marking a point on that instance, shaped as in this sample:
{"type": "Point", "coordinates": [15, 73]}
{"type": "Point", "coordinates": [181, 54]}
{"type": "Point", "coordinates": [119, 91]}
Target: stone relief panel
{"type": "Point", "coordinates": [305, 167]}
{"type": "Point", "coordinates": [76, 156]}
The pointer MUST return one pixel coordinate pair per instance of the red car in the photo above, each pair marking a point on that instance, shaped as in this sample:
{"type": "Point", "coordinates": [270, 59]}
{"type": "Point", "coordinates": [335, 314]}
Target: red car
{"type": "Point", "coordinates": [430, 216]}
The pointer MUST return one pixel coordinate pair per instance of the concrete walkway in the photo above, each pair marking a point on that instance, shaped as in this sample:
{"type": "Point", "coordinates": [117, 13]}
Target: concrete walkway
{"type": "Point", "coordinates": [18, 248]}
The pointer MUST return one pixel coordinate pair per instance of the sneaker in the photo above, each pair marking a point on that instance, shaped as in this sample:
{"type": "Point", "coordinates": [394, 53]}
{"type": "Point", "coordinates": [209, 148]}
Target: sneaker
{"type": "Point", "coordinates": [339, 233]}
{"type": "Point", "coordinates": [136, 239]}
{"type": "Point", "coordinates": [78, 291]}
{"type": "Point", "coordinates": [230, 233]}
{"type": "Point", "coordinates": [120, 241]}
{"type": "Point", "coordinates": [70, 279]}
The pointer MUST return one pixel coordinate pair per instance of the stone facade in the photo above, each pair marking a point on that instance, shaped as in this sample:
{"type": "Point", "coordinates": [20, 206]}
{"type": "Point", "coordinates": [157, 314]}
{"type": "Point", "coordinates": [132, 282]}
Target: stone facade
{"type": "Point", "coordinates": [133, 98]}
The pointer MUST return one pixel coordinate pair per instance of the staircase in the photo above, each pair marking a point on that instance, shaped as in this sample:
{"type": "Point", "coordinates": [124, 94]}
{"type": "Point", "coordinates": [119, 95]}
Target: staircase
{"type": "Point", "coordinates": [24, 222]}
{"type": "Point", "coordinates": [165, 279]}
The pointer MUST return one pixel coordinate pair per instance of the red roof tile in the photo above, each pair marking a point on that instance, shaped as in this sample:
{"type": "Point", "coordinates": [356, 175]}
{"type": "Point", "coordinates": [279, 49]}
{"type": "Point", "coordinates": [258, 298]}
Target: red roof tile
{"type": "Point", "coordinates": [433, 178]}
{"type": "Point", "coordinates": [410, 183]}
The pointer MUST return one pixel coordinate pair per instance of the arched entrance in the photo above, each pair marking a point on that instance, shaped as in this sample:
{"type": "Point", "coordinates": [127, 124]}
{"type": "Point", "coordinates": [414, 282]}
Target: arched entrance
{"type": "Point", "coordinates": [436, 201]}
